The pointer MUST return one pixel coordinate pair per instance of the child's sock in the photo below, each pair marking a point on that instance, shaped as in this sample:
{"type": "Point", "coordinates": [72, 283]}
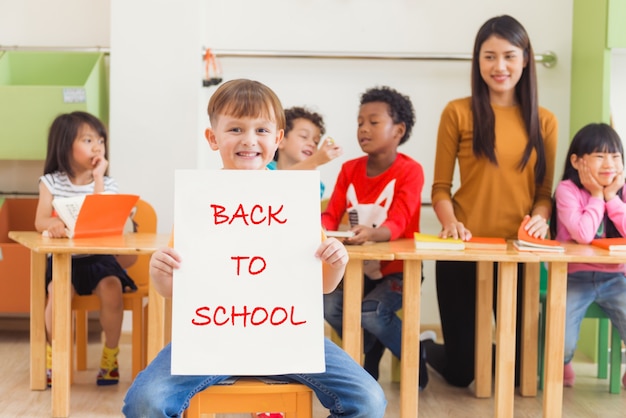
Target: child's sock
{"type": "Point", "coordinates": [108, 374]}
{"type": "Point", "coordinates": [568, 375]}
{"type": "Point", "coordinates": [49, 364]}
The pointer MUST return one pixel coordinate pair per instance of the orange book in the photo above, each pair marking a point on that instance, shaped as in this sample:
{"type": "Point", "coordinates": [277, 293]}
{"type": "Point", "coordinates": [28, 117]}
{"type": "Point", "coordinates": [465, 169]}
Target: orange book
{"type": "Point", "coordinates": [95, 215]}
{"type": "Point", "coordinates": [486, 243]}
{"type": "Point", "coordinates": [526, 242]}
{"type": "Point", "coordinates": [612, 244]}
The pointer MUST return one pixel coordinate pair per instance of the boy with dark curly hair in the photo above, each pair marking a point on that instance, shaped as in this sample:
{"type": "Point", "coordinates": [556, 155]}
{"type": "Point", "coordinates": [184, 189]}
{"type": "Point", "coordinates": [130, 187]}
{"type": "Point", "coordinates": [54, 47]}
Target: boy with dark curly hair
{"type": "Point", "coordinates": [381, 192]}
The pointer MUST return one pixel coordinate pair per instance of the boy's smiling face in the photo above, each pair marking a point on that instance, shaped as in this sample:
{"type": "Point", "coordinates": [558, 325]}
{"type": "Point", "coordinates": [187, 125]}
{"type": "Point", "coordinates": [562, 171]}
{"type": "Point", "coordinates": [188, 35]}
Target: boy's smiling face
{"type": "Point", "coordinates": [244, 143]}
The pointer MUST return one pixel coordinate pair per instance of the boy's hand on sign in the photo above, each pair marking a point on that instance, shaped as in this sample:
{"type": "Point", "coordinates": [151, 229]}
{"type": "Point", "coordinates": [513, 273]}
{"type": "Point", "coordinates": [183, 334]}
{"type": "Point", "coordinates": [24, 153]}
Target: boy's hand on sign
{"type": "Point", "coordinates": [332, 252]}
{"type": "Point", "coordinates": [162, 265]}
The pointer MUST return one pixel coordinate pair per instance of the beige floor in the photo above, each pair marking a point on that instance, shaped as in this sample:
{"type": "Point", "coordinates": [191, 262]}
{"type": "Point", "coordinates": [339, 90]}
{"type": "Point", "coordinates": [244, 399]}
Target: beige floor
{"type": "Point", "coordinates": [589, 398]}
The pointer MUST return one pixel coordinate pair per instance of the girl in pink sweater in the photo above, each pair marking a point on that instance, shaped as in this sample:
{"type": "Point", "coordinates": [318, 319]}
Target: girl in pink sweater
{"type": "Point", "coordinates": [589, 203]}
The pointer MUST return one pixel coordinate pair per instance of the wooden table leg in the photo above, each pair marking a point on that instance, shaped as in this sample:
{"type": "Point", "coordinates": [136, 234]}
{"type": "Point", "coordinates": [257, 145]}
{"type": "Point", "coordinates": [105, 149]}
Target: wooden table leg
{"type": "Point", "coordinates": [555, 340]}
{"type": "Point", "coordinates": [411, 294]}
{"type": "Point", "coordinates": [484, 337]}
{"type": "Point", "coordinates": [505, 339]}
{"type": "Point", "coordinates": [352, 297]}
{"type": "Point", "coordinates": [530, 330]}
{"type": "Point", "coordinates": [37, 321]}
{"type": "Point", "coordinates": [61, 334]}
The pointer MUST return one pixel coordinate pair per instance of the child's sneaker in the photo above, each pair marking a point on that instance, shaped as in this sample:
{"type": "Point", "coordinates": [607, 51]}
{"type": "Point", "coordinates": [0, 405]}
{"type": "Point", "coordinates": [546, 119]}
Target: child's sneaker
{"type": "Point", "coordinates": [49, 364]}
{"type": "Point", "coordinates": [568, 375]}
{"type": "Point", "coordinates": [108, 374]}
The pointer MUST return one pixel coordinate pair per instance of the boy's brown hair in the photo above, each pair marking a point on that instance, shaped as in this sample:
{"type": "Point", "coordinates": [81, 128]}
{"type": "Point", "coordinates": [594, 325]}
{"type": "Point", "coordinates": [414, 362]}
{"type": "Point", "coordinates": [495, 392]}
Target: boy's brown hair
{"type": "Point", "coordinates": [242, 98]}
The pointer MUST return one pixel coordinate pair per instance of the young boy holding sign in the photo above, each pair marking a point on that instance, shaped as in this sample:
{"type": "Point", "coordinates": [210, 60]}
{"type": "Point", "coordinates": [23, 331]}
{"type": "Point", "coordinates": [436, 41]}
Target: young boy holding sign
{"type": "Point", "coordinates": [247, 123]}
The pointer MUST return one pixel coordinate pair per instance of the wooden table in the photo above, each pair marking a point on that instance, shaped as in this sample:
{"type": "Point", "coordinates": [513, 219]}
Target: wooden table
{"type": "Point", "coordinates": [555, 316]}
{"type": "Point", "coordinates": [505, 310]}
{"type": "Point", "coordinates": [62, 250]}
{"type": "Point", "coordinates": [505, 326]}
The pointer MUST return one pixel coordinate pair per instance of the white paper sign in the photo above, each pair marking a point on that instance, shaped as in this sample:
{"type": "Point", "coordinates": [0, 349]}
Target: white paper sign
{"type": "Point", "coordinates": [247, 299]}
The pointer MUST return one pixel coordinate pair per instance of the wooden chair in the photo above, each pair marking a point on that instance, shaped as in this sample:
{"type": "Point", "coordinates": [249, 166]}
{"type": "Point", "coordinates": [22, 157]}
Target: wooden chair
{"type": "Point", "coordinates": [146, 220]}
{"type": "Point", "coordinates": [251, 395]}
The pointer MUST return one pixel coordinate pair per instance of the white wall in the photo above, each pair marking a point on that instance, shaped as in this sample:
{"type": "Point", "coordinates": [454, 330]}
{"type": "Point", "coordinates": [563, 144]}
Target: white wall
{"type": "Point", "coordinates": [157, 104]}
{"type": "Point", "coordinates": [155, 62]}
{"type": "Point", "coordinates": [70, 23]}
{"type": "Point", "coordinates": [333, 86]}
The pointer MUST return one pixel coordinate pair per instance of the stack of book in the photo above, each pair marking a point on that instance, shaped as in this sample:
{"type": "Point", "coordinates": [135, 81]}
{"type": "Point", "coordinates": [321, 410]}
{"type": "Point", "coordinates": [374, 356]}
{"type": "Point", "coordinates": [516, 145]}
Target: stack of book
{"type": "Point", "coordinates": [526, 242]}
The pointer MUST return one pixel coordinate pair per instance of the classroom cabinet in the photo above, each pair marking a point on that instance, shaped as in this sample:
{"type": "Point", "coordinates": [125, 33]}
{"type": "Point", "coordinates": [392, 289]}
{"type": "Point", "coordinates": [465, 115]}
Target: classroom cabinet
{"type": "Point", "coordinates": [15, 214]}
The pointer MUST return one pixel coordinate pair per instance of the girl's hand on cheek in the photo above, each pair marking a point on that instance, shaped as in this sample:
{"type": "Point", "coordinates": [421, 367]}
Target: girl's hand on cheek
{"type": "Point", "coordinates": [588, 182]}
{"type": "Point", "coordinates": [616, 185]}
{"type": "Point", "coordinates": [99, 165]}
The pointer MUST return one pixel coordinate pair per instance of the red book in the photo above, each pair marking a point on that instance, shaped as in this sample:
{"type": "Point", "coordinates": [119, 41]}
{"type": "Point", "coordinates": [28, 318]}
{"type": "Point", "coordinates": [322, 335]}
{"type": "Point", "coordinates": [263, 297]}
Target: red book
{"type": "Point", "coordinates": [526, 242]}
{"type": "Point", "coordinates": [611, 244]}
{"type": "Point", "coordinates": [486, 243]}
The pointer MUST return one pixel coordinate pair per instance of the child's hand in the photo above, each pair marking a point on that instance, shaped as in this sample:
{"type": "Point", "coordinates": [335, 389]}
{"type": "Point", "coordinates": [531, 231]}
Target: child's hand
{"type": "Point", "coordinates": [455, 230]}
{"type": "Point", "coordinates": [589, 182]}
{"type": "Point", "coordinates": [56, 229]}
{"type": "Point", "coordinates": [333, 253]}
{"type": "Point", "coordinates": [99, 165]}
{"type": "Point", "coordinates": [328, 151]}
{"type": "Point", "coordinates": [537, 226]}
{"type": "Point", "coordinates": [162, 265]}
{"type": "Point", "coordinates": [616, 185]}
{"type": "Point", "coordinates": [362, 234]}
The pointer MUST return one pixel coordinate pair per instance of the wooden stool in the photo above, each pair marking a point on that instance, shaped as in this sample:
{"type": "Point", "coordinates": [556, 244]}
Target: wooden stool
{"type": "Point", "coordinates": [251, 395]}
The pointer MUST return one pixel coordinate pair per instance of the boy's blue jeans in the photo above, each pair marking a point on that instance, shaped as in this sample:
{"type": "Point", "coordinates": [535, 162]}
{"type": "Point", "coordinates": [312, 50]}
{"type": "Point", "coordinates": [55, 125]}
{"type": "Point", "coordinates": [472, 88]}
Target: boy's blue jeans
{"type": "Point", "coordinates": [378, 312]}
{"type": "Point", "coordinates": [345, 388]}
{"type": "Point", "coordinates": [585, 287]}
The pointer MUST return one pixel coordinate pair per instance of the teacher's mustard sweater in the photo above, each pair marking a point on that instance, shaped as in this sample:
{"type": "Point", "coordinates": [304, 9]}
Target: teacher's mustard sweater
{"type": "Point", "coordinates": [491, 200]}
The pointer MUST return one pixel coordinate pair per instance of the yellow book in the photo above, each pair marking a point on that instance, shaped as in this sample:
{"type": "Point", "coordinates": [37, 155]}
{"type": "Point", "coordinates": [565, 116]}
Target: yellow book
{"type": "Point", "coordinates": [433, 242]}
